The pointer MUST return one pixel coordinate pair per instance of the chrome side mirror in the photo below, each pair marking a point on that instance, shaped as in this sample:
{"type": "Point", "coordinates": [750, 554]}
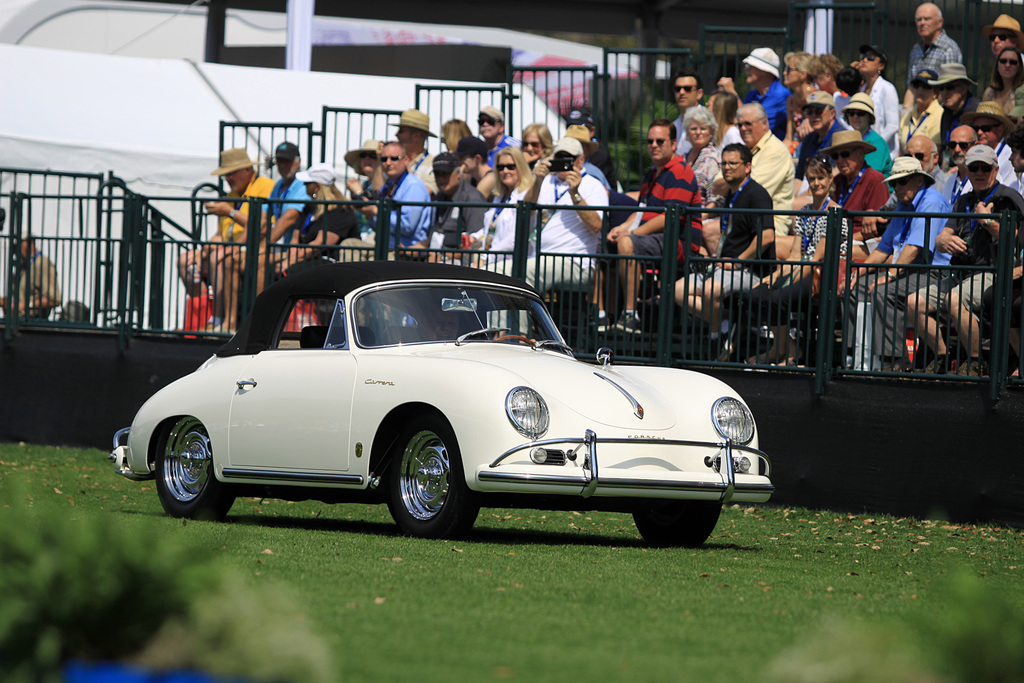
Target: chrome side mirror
{"type": "Point", "coordinates": [604, 356]}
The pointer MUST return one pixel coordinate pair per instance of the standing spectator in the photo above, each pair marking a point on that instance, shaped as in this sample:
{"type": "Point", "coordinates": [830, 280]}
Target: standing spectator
{"type": "Point", "coordinates": [797, 78]}
{"type": "Point", "coordinates": [409, 223]}
{"type": "Point", "coordinates": [723, 106]}
{"type": "Point", "coordinates": [1007, 76]}
{"type": "Point", "coordinates": [762, 68]}
{"type": "Point", "coordinates": [472, 155]}
{"type": "Point", "coordinates": [992, 127]}
{"type": "Point", "coordinates": [746, 240]}
{"type": "Point", "coordinates": [871, 65]}
{"type": "Point", "coordinates": [860, 115]}
{"type": "Point", "coordinates": [36, 279]}
{"type": "Point", "coordinates": [1004, 32]}
{"type": "Point", "coordinates": [924, 150]}
{"type": "Point", "coordinates": [820, 113]}
{"type": "Point", "coordinates": [451, 219]}
{"type": "Point", "coordinates": [669, 180]}
{"type": "Point", "coordinates": [452, 131]}
{"type": "Point", "coordinates": [365, 161]}
{"type": "Point", "coordinates": [280, 219]}
{"type": "Point", "coordinates": [537, 143]}
{"type": "Point", "coordinates": [925, 117]}
{"type": "Point", "coordinates": [413, 131]}
{"type": "Point", "coordinates": [858, 187]}
{"type": "Point", "coordinates": [599, 155]}
{"type": "Point", "coordinates": [499, 223]}
{"type": "Point", "coordinates": [589, 146]}
{"type": "Point", "coordinates": [961, 139]}
{"type": "Point", "coordinates": [969, 242]}
{"type": "Point", "coordinates": [772, 166]}
{"type": "Point", "coordinates": [933, 50]}
{"type": "Point", "coordinates": [325, 225]}
{"type": "Point", "coordinates": [955, 96]}
{"type": "Point", "coordinates": [688, 91]}
{"type": "Point", "coordinates": [492, 130]}
{"type": "Point", "coordinates": [704, 157]}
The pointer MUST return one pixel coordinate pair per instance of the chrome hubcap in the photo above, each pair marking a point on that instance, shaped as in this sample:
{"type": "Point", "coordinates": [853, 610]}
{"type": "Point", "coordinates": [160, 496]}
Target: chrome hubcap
{"type": "Point", "coordinates": [188, 459]}
{"type": "Point", "coordinates": [424, 475]}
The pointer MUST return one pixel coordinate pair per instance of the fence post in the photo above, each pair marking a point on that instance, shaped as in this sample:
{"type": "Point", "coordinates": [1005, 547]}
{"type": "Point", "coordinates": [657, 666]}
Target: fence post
{"type": "Point", "coordinates": [156, 273]}
{"type": "Point", "coordinates": [134, 243]}
{"type": "Point", "coordinates": [385, 205]}
{"type": "Point", "coordinates": [253, 240]}
{"type": "Point", "coordinates": [828, 299]}
{"type": "Point", "coordinates": [999, 352]}
{"type": "Point", "coordinates": [521, 249]}
{"type": "Point", "coordinates": [677, 217]}
{"type": "Point", "coordinates": [11, 320]}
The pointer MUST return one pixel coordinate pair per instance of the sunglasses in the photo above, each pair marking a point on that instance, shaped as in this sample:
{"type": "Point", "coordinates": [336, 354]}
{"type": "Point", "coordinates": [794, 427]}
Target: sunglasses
{"type": "Point", "coordinates": [823, 158]}
{"type": "Point", "coordinates": [485, 121]}
{"type": "Point", "coordinates": [961, 145]}
{"type": "Point", "coordinates": [845, 154]}
{"type": "Point", "coordinates": [900, 182]}
{"type": "Point", "coordinates": [987, 128]}
{"type": "Point", "coordinates": [390, 158]}
{"type": "Point", "coordinates": [980, 168]}
{"type": "Point", "coordinates": [533, 144]}
{"type": "Point", "coordinates": [870, 58]}
{"type": "Point", "coordinates": [730, 164]}
{"type": "Point", "coordinates": [855, 112]}
{"type": "Point", "coordinates": [367, 155]}
{"type": "Point", "coordinates": [920, 85]}
{"type": "Point", "coordinates": [656, 141]}
{"type": "Point", "coordinates": [1008, 62]}
{"type": "Point", "coordinates": [505, 167]}
{"type": "Point", "coordinates": [950, 86]}
{"type": "Point", "coordinates": [1000, 36]}
{"type": "Point", "coordinates": [813, 111]}
{"type": "Point", "coordinates": [687, 88]}
{"type": "Point", "coordinates": [917, 155]}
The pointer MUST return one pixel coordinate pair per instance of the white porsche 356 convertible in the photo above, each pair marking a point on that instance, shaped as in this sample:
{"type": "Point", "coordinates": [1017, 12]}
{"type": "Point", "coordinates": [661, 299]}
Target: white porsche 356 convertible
{"type": "Point", "coordinates": [439, 389]}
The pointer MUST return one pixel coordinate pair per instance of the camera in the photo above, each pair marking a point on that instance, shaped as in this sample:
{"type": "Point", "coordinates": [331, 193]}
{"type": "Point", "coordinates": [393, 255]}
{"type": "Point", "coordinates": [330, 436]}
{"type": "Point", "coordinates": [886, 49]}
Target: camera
{"type": "Point", "coordinates": [560, 164]}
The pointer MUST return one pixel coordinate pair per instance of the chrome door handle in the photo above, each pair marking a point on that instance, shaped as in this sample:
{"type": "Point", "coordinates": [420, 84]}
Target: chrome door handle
{"type": "Point", "coordinates": [243, 383]}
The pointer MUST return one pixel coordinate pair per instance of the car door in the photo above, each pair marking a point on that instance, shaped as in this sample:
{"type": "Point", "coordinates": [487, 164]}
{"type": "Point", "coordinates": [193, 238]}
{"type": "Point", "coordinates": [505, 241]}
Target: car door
{"type": "Point", "coordinates": [292, 405]}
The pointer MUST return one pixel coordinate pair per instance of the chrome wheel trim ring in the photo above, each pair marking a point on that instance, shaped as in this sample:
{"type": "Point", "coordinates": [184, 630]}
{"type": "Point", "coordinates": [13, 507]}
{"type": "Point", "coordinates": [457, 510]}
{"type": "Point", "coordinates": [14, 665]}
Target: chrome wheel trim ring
{"type": "Point", "coordinates": [188, 460]}
{"type": "Point", "coordinates": [424, 475]}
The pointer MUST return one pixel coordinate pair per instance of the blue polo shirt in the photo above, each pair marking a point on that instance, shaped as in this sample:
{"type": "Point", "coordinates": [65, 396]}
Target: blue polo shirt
{"type": "Point", "coordinates": [410, 222]}
{"type": "Point", "coordinates": [910, 229]}
{"type": "Point", "coordinates": [774, 103]}
{"type": "Point", "coordinates": [810, 146]}
{"type": "Point", "coordinates": [297, 196]}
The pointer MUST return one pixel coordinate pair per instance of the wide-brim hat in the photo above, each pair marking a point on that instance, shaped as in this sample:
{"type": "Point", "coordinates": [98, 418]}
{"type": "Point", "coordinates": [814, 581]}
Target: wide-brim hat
{"type": "Point", "coordinates": [951, 73]}
{"type": "Point", "coordinates": [352, 156]}
{"type": "Point", "coordinates": [992, 110]}
{"type": "Point", "coordinates": [905, 167]}
{"type": "Point", "coordinates": [765, 59]}
{"type": "Point", "coordinates": [848, 139]}
{"type": "Point", "coordinates": [582, 133]}
{"type": "Point", "coordinates": [1018, 102]}
{"type": "Point", "coordinates": [861, 102]}
{"type": "Point", "coordinates": [414, 118]}
{"type": "Point", "coordinates": [1006, 23]}
{"type": "Point", "coordinates": [232, 160]}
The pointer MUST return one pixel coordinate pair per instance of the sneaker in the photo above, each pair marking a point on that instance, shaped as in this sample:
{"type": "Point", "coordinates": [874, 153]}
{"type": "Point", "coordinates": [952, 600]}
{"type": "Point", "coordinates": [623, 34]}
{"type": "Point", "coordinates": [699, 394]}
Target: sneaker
{"type": "Point", "coordinates": [936, 367]}
{"type": "Point", "coordinates": [972, 368]}
{"type": "Point", "coordinates": [604, 323]}
{"type": "Point", "coordinates": [725, 346]}
{"type": "Point", "coordinates": [629, 323]}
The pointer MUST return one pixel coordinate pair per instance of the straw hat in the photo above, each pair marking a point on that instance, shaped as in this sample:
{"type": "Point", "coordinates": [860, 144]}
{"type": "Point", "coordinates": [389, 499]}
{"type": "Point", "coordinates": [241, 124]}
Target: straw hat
{"type": "Point", "coordinates": [414, 118]}
{"type": "Point", "coordinates": [582, 133]}
{"type": "Point", "coordinates": [352, 156]}
{"type": "Point", "coordinates": [1007, 23]}
{"type": "Point", "coordinates": [950, 73]}
{"type": "Point", "coordinates": [848, 139]}
{"type": "Point", "coordinates": [861, 102]}
{"type": "Point", "coordinates": [992, 110]}
{"type": "Point", "coordinates": [905, 167]}
{"type": "Point", "coordinates": [232, 160]}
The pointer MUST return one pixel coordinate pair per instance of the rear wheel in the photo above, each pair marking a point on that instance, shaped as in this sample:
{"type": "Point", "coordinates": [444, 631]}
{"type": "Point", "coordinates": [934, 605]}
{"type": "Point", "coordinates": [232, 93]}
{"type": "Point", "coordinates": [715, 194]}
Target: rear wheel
{"type": "Point", "coordinates": [428, 493]}
{"type": "Point", "coordinates": [686, 523]}
{"type": "Point", "coordinates": [184, 473]}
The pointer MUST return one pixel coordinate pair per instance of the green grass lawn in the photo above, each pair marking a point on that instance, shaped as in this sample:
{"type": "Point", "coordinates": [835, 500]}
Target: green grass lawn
{"type": "Point", "coordinates": [780, 594]}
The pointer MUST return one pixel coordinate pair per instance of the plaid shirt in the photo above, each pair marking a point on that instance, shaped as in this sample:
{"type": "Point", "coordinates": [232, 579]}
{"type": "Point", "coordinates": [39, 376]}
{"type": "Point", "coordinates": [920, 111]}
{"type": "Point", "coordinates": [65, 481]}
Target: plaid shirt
{"type": "Point", "coordinates": [943, 50]}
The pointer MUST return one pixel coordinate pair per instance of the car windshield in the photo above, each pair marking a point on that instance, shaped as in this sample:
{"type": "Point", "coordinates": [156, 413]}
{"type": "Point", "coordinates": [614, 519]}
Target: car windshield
{"type": "Point", "coordinates": [448, 313]}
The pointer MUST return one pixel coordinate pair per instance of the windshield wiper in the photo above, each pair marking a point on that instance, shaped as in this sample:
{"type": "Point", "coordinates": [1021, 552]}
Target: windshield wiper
{"type": "Point", "coordinates": [544, 343]}
{"type": "Point", "coordinates": [475, 333]}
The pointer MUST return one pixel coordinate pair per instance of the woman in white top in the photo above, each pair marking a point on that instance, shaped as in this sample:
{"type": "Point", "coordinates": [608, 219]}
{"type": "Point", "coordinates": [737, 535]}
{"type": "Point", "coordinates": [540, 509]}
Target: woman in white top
{"type": "Point", "coordinates": [723, 104]}
{"type": "Point", "coordinates": [514, 180]}
{"type": "Point", "coordinates": [872, 65]}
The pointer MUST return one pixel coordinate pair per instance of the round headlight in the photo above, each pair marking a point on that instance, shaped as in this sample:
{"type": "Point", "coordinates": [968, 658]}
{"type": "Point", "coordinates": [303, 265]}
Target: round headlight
{"type": "Point", "coordinates": [733, 420]}
{"type": "Point", "coordinates": [528, 412]}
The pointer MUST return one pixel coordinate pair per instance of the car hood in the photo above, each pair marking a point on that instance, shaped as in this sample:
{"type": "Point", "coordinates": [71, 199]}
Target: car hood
{"type": "Point", "coordinates": [602, 395]}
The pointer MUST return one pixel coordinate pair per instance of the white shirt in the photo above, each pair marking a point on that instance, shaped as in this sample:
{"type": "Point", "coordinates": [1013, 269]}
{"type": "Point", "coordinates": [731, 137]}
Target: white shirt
{"type": "Point", "coordinates": [1007, 176]}
{"type": "Point", "coordinates": [564, 232]}
{"type": "Point", "coordinates": [500, 224]}
{"type": "Point", "coordinates": [887, 113]}
{"type": "Point", "coordinates": [953, 184]}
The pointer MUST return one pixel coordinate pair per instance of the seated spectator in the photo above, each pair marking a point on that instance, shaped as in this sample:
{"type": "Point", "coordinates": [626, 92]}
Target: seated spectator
{"type": "Point", "coordinates": [704, 156]}
{"type": "Point", "coordinates": [454, 130]}
{"type": "Point", "coordinates": [499, 223]}
{"type": "Point", "coordinates": [924, 150]}
{"type": "Point", "coordinates": [599, 157]}
{"type": "Point", "coordinates": [797, 79]}
{"type": "Point", "coordinates": [848, 82]}
{"type": "Point", "coordinates": [589, 146]}
{"type": "Point", "coordinates": [452, 219]}
{"type": "Point", "coordinates": [992, 127]}
{"type": "Point", "coordinates": [365, 161]}
{"type": "Point", "coordinates": [857, 186]}
{"type": "Point", "coordinates": [575, 230]}
{"type": "Point", "coordinates": [217, 264]}
{"type": "Point", "coordinates": [872, 63]}
{"type": "Point", "coordinates": [413, 131]}
{"type": "Point", "coordinates": [762, 69]}
{"type": "Point", "coordinates": [788, 290]}
{"type": "Point", "coordinates": [955, 96]}
{"type": "Point", "coordinates": [669, 180]}
{"type": "Point", "coordinates": [492, 131]}
{"type": "Point", "coordinates": [746, 240]}
{"type": "Point", "coordinates": [961, 139]}
{"type": "Point", "coordinates": [860, 116]}
{"type": "Point", "coordinates": [988, 302]}
{"type": "Point", "coordinates": [772, 167]}
{"type": "Point", "coordinates": [1007, 76]}
{"type": "Point", "coordinates": [537, 143]}
{"type": "Point", "coordinates": [723, 106]}
{"type": "Point", "coordinates": [969, 242]}
{"type": "Point", "coordinates": [471, 153]}
{"type": "Point", "coordinates": [1004, 33]}
{"type": "Point", "coordinates": [907, 240]}
{"type": "Point", "coordinates": [323, 225]}
{"type": "Point", "coordinates": [281, 218]}
{"type": "Point", "coordinates": [35, 278]}
{"type": "Point", "coordinates": [410, 223]}
{"type": "Point", "coordinates": [925, 117]}
{"type": "Point", "coordinates": [820, 113]}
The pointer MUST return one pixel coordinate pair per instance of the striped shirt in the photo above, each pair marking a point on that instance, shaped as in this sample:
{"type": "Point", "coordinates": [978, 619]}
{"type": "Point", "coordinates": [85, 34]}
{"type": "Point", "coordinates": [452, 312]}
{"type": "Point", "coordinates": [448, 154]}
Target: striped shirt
{"type": "Point", "coordinates": [675, 183]}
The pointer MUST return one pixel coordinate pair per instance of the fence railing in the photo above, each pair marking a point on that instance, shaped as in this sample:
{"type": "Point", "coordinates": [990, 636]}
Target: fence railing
{"type": "Point", "coordinates": [131, 277]}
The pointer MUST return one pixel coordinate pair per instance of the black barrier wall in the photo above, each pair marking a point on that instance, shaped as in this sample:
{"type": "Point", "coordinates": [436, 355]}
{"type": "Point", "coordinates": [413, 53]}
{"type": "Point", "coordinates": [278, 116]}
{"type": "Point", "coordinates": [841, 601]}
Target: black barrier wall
{"type": "Point", "coordinates": [902, 447]}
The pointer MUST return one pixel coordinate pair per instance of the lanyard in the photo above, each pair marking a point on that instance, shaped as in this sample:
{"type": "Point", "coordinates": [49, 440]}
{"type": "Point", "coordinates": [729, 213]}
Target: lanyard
{"type": "Point", "coordinates": [390, 190]}
{"type": "Point", "coordinates": [727, 218]}
{"type": "Point", "coordinates": [559, 195]}
{"type": "Point", "coordinates": [806, 236]}
{"type": "Point", "coordinates": [970, 209]}
{"type": "Point", "coordinates": [910, 133]}
{"type": "Point", "coordinates": [846, 195]}
{"type": "Point", "coordinates": [958, 187]}
{"type": "Point", "coordinates": [418, 163]}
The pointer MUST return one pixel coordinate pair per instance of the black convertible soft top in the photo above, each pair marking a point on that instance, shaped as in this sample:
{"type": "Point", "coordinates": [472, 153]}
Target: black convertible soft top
{"type": "Point", "coordinates": [337, 280]}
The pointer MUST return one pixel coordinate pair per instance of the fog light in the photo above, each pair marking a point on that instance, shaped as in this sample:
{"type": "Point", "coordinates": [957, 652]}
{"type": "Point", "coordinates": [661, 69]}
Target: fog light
{"type": "Point", "coordinates": [741, 465]}
{"type": "Point", "coordinates": [539, 455]}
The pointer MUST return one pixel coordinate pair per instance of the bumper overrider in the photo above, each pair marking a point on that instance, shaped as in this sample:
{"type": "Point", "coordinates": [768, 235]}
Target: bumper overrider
{"type": "Point", "coordinates": [725, 480]}
{"type": "Point", "coordinates": [120, 457]}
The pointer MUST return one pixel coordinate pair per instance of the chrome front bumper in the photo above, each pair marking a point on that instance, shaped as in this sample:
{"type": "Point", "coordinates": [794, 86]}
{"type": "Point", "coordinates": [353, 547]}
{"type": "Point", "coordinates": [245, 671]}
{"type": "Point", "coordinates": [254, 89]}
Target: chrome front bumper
{"type": "Point", "coordinates": [120, 457]}
{"type": "Point", "coordinates": [587, 478]}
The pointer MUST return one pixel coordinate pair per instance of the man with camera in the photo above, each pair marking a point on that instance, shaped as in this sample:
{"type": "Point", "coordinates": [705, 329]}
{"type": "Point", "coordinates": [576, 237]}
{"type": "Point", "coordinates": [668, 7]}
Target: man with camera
{"type": "Point", "coordinates": [970, 242]}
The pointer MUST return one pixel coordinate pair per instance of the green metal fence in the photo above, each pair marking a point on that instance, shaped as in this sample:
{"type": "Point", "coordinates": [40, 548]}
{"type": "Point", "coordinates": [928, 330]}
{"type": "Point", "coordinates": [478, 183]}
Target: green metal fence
{"type": "Point", "coordinates": [443, 103]}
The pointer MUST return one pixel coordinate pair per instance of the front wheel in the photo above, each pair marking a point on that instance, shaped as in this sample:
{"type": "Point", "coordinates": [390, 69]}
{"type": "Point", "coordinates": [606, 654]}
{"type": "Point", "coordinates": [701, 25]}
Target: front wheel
{"type": "Point", "coordinates": [428, 493]}
{"type": "Point", "coordinates": [686, 523]}
{"type": "Point", "coordinates": [184, 473]}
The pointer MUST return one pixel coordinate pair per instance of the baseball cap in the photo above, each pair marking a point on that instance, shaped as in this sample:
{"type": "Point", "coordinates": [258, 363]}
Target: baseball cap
{"type": "Point", "coordinates": [445, 162]}
{"type": "Point", "coordinates": [580, 116]}
{"type": "Point", "coordinates": [471, 146]}
{"type": "Point", "coordinates": [286, 150]}
{"type": "Point", "coordinates": [317, 173]}
{"type": "Point", "coordinates": [982, 153]}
